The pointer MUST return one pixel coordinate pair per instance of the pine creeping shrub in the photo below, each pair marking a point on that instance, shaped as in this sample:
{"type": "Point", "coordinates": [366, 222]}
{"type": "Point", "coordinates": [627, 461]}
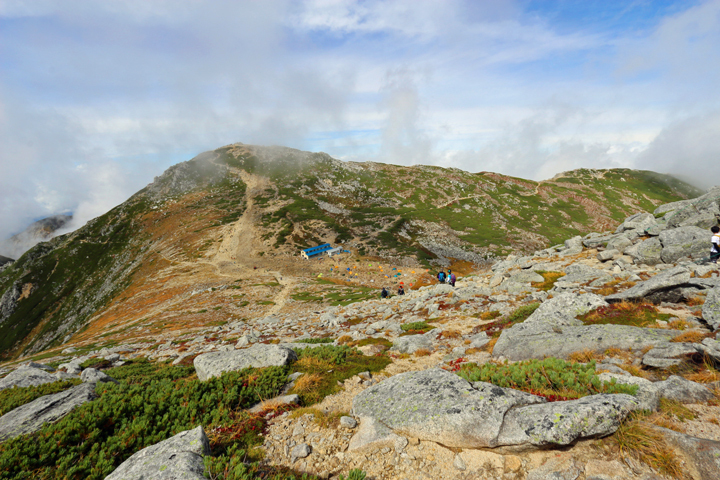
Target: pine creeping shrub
{"type": "Point", "coordinates": [330, 365]}
{"type": "Point", "coordinates": [315, 340]}
{"type": "Point", "coordinates": [518, 315]}
{"type": "Point", "coordinates": [624, 313]}
{"type": "Point", "coordinates": [232, 466]}
{"type": "Point", "coordinates": [11, 398]}
{"type": "Point", "coordinates": [151, 403]}
{"type": "Point", "coordinates": [552, 378]}
{"type": "Point", "coordinates": [415, 328]}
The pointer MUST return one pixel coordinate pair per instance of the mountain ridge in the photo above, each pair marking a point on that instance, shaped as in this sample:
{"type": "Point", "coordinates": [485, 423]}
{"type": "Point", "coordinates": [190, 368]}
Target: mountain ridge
{"type": "Point", "coordinates": [225, 212]}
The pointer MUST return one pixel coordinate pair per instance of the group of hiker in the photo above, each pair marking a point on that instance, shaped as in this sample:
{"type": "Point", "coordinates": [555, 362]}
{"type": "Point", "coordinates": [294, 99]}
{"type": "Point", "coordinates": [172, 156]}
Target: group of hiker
{"type": "Point", "coordinates": [448, 277]}
{"type": "Point", "coordinates": [385, 293]}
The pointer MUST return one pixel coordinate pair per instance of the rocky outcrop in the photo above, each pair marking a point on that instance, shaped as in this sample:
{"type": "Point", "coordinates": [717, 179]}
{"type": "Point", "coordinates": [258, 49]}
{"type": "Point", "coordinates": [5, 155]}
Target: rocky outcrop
{"type": "Point", "coordinates": [668, 280]}
{"type": "Point", "coordinates": [177, 458]}
{"type": "Point", "coordinates": [439, 406]}
{"type": "Point", "coordinates": [701, 457]}
{"type": "Point", "coordinates": [413, 343]}
{"type": "Point", "coordinates": [684, 242]}
{"type": "Point", "coordinates": [648, 252]}
{"type": "Point", "coordinates": [213, 364]}
{"type": "Point", "coordinates": [553, 331]}
{"type": "Point", "coordinates": [711, 308]}
{"type": "Point", "coordinates": [30, 417]}
{"type": "Point", "coordinates": [91, 375]}
{"type": "Point", "coordinates": [27, 377]}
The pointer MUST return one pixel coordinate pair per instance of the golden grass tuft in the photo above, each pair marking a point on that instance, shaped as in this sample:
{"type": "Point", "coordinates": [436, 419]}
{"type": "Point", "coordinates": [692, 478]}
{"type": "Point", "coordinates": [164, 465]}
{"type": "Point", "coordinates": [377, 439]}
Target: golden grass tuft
{"type": "Point", "coordinates": [636, 438]}
{"type": "Point", "coordinates": [692, 336]}
{"type": "Point", "coordinates": [709, 374]}
{"type": "Point", "coordinates": [676, 409]}
{"type": "Point", "coordinates": [422, 352]}
{"type": "Point", "coordinates": [585, 356]}
{"type": "Point", "coordinates": [308, 383]}
{"type": "Point", "coordinates": [344, 339]}
{"type": "Point", "coordinates": [626, 355]}
{"type": "Point", "coordinates": [635, 371]}
{"type": "Point", "coordinates": [449, 334]}
{"type": "Point", "coordinates": [321, 418]}
{"type": "Point", "coordinates": [488, 347]}
{"type": "Point", "coordinates": [678, 324]}
{"type": "Point", "coordinates": [695, 301]}
{"type": "Point", "coordinates": [471, 351]}
{"type": "Point", "coordinates": [605, 291]}
{"type": "Point", "coordinates": [313, 363]}
{"type": "Point", "coordinates": [489, 315]}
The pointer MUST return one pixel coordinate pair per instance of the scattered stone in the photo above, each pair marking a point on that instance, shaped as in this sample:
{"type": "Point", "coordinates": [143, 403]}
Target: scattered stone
{"type": "Point", "coordinates": [682, 390]}
{"type": "Point", "coordinates": [213, 364]}
{"type": "Point", "coordinates": [670, 279]}
{"type": "Point", "coordinates": [711, 308]}
{"type": "Point", "coordinates": [301, 450]}
{"type": "Point", "coordinates": [32, 416]}
{"type": "Point", "coordinates": [90, 375]}
{"type": "Point", "coordinates": [348, 422]}
{"type": "Point", "coordinates": [667, 355]}
{"type": "Point", "coordinates": [557, 470]}
{"type": "Point", "coordinates": [179, 457]}
{"type": "Point", "coordinates": [682, 242]}
{"type": "Point", "coordinates": [26, 377]}
{"type": "Point", "coordinates": [413, 343]}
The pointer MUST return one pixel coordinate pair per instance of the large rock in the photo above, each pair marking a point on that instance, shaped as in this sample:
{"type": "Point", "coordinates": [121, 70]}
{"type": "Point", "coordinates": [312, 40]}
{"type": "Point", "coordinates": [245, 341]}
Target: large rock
{"type": "Point", "coordinates": [705, 206]}
{"type": "Point", "coordinates": [91, 375]}
{"type": "Point", "coordinates": [701, 456]}
{"type": "Point", "coordinates": [26, 377]}
{"type": "Point", "coordinates": [684, 242]}
{"type": "Point", "coordinates": [438, 406]}
{"type": "Point", "coordinates": [682, 390]}
{"type": "Point", "coordinates": [214, 364]}
{"type": "Point", "coordinates": [413, 343]}
{"type": "Point", "coordinates": [672, 206]}
{"type": "Point", "coordinates": [711, 348]}
{"type": "Point", "coordinates": [177, 458]}
{"type": "Point", "coordinates": [639, 221]}
{"type": "Point", "coordinates": [668, 280]}
{"type": "Point", "coordinates": [664, 356]}
{"type": "Point", "coordinates": [648, 252]}
{"type": "Point", "coordinates": [30, 417]}
{"type": "Point", "coordinates": [527, 341]}
{"type": "Point", "coordinates": [711, 308]}
{"type": "Point", "coordinates": [561, 423]}
{"type": "Point", "coordinates": [620, 244]}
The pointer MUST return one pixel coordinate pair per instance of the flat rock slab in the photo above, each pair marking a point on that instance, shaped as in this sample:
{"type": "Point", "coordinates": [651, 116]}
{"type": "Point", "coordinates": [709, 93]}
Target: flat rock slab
{"type": "Point", "coordinates": [440, 406]}
{"type": "Point", "coordinates": [524, 342]}
{"type": "Point", "coordinates": [177, 458]}
{"type": "Point", "coordinates": [682, 390]}
{"type": "Point", "coordinates": [682, 242]}
{"type": "Point", "coordinates": [667, 355]}
{"type": "Point", "coordinates": [561, 423]}
{"type": "Point", "coordinates": [413, 343]}
{"type": "Point", "coordinates": [702, 456]}
{"type": "Point", "coordinates": [711, 308]}
{"type": "Point", "coordinates": [667, 280]}
{"type": "Point", "coordinates": [26, 377]}
{"type": "Point", "coordinates": [29, 418]}
{"type": "Point", "coordinates": [214, 364]}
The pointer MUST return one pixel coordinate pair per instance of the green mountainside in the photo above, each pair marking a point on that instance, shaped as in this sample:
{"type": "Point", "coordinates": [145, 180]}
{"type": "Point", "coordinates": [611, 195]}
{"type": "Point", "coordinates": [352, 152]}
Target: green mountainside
{"type": "Point", "coordinates": [423, 214]}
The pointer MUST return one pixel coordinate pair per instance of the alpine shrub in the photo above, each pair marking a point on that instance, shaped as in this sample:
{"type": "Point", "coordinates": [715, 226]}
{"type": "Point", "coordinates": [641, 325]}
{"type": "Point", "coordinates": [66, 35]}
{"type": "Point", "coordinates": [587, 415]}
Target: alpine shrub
{"type": "Point", "coordinates": [552, 378]}
{"type": "Point", "coordinates": [11, 398]}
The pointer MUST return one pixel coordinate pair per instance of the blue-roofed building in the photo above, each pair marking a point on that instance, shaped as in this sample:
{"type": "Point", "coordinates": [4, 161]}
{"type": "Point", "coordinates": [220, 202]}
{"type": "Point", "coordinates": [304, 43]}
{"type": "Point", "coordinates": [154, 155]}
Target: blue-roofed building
{"type": "Point", "coordinates": [315, 251]}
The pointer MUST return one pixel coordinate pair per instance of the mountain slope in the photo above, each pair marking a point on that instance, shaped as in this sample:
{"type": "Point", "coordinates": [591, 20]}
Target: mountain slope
{"type": "Point", "coordinates": [216, 224]}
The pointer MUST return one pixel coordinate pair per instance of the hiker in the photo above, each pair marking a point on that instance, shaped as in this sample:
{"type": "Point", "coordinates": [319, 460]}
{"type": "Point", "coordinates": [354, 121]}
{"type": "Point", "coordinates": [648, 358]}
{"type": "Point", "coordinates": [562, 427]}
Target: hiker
{"type": "Point", "coordinates": [384, 293]}
{"type": "Point", "coordinates": [715, 240]}
{"type": "Point", "coordinates": [452, 279]}
{"type": "Point", "coordinates": [449, 274]}
{"type": "Point", "coordinates": [401, 290]}
{"type": "Point", "coordinates": [441, 276]}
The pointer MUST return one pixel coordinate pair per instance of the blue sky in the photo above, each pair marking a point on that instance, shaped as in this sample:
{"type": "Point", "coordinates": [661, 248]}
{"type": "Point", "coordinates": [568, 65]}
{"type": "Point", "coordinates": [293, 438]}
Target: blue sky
{"type": "Point", "coordinates": [97, 98]}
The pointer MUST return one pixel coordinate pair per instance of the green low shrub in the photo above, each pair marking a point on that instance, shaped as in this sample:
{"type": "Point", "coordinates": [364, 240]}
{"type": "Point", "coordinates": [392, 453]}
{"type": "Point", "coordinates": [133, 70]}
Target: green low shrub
{"type": "Point", "coordinates": [553, 378]}
{"type": "Point", "coordinates": [151, 403]}
{"type": "Point", "coordinates": [518, 315]}
{"type": "Point", "coordinates": [329, 353]}
{"type": "Point", "coordinates": [416, 328]}
{"type": "Point", "coordinates": [11, 398]}
{"type": "Point", "coordinates": [315, 340]}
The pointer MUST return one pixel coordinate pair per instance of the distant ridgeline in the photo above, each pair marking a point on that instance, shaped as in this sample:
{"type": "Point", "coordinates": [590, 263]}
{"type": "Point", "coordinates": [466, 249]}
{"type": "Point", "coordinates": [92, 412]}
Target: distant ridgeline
{"type": "Point", "coordinates": [423, 214]}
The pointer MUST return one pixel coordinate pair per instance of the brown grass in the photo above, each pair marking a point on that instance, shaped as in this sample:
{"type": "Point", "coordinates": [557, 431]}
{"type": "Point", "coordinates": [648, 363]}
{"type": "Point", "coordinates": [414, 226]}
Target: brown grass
{"type": "Point", "coordinates": [585, 356]}
{"type": "Point", "coordinates": [322, 419]}
{"type": "Point", "coordinates": [636, 438]}
{"type": "Point", "coordinates": [625, 355]}
{"type": "Point", "coordinates": [695, 301]}
{"type": "Point", "coordinates": [449, 334]}
{"type": "Point", "coordinates": [344, 339]}
{"type": "Point", "coordinates": [692, 336]}
{"type": "Point", "coordinates": [708, 375]}
{"type": "Point", "coordinates": [488, 347]}
{"type": "Point", "coordinates": [308, 383]}
{"type": "Point", "coordinates": [313, 363]}
{"type": "Point", "coordinates": [635, 370]}
{"type": "Point", "coordinates": [489, 315]}
{"type": "Point", "coordinates": [422, 352]}
{"type": "Point", "coordinates": [678, 324]}
{"type": "Point", "coordinates": [605, 291]}
{"type": "Point", "coordinates": [471, 351]}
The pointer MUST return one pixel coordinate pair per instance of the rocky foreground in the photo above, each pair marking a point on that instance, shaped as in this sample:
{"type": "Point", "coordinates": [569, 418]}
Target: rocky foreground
{"type": "Point", "coordinates": [418, 419]}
